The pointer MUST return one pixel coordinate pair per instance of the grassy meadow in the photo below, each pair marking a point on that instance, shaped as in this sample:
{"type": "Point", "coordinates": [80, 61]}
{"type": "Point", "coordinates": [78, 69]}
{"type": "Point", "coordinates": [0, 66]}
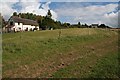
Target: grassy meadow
{"type": "Point", "coordinates": [75, 53]}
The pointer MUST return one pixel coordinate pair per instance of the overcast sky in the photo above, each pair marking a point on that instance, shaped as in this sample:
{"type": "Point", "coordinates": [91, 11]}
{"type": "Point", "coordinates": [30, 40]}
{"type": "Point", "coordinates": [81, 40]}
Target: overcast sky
{"type": "Point", "coordinates": [72, 11]}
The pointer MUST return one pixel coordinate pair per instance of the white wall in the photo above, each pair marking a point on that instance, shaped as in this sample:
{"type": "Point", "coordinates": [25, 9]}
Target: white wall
{"type": "Point", "coordinates": [22, 27]}
{"type": "Point", "coordinates": [37, 27]}
{"type": "Point", "coordinates": [18, 27]}
{"type": "Point", "coordinates": [28, 26]}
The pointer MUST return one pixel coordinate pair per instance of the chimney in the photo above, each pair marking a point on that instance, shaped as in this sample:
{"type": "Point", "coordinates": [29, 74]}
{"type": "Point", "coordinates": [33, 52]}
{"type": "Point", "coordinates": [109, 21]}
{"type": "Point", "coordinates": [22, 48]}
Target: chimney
{"type": "Point", "coordinates": [19, 16]}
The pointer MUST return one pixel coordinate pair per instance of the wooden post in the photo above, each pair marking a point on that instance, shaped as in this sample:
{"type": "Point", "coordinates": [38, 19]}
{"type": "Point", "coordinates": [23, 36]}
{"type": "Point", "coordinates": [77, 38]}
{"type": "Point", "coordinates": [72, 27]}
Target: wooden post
{"type": "Point", "coordinates": [59, 33]}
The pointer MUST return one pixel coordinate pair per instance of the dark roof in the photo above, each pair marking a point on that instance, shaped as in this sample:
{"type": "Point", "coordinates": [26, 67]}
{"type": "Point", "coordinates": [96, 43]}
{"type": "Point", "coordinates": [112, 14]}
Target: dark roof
{"type": "Point", "coordinates": [24, 21]}
{"type": "Point", "coordinates": [94, 24]}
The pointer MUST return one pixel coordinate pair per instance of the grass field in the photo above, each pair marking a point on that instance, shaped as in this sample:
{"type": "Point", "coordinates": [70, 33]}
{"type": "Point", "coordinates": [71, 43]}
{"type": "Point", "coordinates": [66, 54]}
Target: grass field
{"type": "Point", "coordinates": [76, 53]}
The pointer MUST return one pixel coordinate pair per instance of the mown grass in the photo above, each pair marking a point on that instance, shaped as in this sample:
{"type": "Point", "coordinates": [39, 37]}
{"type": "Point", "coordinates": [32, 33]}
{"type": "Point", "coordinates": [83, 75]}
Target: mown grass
{"type": "Point", "coordinates": [43, 52]}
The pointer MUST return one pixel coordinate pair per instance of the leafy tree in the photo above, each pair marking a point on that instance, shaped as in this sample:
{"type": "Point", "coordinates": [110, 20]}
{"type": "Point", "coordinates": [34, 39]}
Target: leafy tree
{"type": "Point", "coordinates": [66, 25]}
{"type": "Point", "coordinates": [22, 15]}
{"type": "Point", "coordinates": [34, 17]}
{"type": "Point", "coordinates": [31, 16]}
{"type": "Point", "coordinates": [58, 25]}
{"type": "Point", "coordinates": [2, 22]}
{"type": "Point", "coordinates": [19, 14]}
{"type": "Point", "coordinates": [103, 26]}
{"type": "Point", "coordinates": [45, 22]}
{"type": "Point", "coordinates": [15, 14]}
{"type": "Point", "coordinates": [86, 25]}
{"type": "Point", "coordinates": [74, 26]}
{"type": "Point", "coordinates": [39, 20]}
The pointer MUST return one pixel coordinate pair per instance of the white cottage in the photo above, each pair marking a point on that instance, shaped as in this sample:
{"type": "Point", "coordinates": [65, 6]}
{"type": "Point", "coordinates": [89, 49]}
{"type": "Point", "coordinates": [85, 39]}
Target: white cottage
{"type": "Point", "coordinates": [94, 25]}
{"type": "Point", "coordinates": [19, 24]}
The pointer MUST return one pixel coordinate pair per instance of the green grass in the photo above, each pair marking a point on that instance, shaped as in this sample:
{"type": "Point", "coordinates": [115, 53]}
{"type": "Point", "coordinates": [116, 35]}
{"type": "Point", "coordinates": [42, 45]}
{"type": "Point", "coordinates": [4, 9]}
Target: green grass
{"type": "Point", "coordinates": [107, 67]}
{"type": "Point", "coordinates": [44, 54]}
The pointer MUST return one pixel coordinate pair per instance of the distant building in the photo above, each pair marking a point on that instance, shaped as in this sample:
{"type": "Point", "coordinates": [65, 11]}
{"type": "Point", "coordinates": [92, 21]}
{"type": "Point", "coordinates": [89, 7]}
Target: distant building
{"type": "Point", "coordinates": [94, 26]}
{"type": "Point", "coordinates": [19, 24]}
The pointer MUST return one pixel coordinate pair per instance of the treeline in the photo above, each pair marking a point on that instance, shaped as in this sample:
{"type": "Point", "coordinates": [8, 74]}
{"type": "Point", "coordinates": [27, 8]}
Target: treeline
{"type": "Point", "coordinates": [46, 22]}
{"type": "Point", "coordinates": [79, 25]}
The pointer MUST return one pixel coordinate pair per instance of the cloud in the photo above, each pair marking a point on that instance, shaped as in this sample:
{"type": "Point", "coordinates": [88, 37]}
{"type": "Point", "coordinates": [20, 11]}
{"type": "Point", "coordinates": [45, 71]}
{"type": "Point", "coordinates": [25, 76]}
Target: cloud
{"type": "Point", "coordinates": [37, 8]}
{"type": "Point", "coordinates": [9, 1]}
{"type": "Point", "coordinates": [82, 0]}
{"type": "Point", "coordinates": [111, 19]}
{"type": "Point", "coordinates": [46, 6]}
{"type": "Point", "coordinates": [26, 6]}
{"type": "Point", "coordinates": [20, 1]}
{"type": "Point", "coordinates": [67, 12]}
{"type": "Point", "coordinates": [89, 14]}
{"type": "Point", "coordinates": [6, 9]}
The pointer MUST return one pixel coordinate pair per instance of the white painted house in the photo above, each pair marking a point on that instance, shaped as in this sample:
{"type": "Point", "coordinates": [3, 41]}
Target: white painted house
{"type": "Point", "coordinates": [94, 25]}
{"type": "Point", "coordinates": [19, 24]}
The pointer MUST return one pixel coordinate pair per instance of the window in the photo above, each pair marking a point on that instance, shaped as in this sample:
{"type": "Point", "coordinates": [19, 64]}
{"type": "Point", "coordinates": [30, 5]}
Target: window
{"type": "Point", "coordinates": [18, 23]}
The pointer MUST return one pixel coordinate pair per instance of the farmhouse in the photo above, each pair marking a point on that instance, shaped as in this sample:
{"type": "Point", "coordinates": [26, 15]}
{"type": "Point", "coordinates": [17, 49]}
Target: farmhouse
{"type": "Point", "coordinates": [16, 24]}
{"type": "Point", "coordinates": [94, 25]}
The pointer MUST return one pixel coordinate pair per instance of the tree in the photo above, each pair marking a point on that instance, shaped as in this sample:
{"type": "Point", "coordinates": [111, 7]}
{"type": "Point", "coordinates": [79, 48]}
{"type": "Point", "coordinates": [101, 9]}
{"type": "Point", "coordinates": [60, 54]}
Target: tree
{"type": "Point", "coordinates": [86, 25]}
{"type": "Point", "coordinates": [22, 15]}
{"type": "Point", "coordinates": [2, 22]}
{"type": "Point", "coordinates": [19, 14]}
{"type": "Point", "coordinates": [58, 24]}
{"type": "Point", "coordinates": [31, 16]}
{"type": "Point", "coordinates": [66, 25]}
{"type": "Point", "coordinates": [15, 14]}
{"type": "Point", "coordinates": [49, 15]}
{"type": "Point", "coordinates": [38, 19]}
{"type": "Point", "coordinates": [103, 26]}
{"type": "Point", "coordinates": [45, 22]}
{"type": "Point", "coordinates": [27, 15]}
{"type": "Point", "coordinates": [79, 24]}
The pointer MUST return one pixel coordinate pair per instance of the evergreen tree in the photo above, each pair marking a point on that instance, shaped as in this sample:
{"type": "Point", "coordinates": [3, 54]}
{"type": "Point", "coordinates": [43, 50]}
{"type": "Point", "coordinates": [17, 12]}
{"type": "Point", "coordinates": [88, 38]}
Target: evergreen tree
{"type": "Point", "coordinates": [79, 24]}
{"type": "Point", "coordinates": [49, 15]}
